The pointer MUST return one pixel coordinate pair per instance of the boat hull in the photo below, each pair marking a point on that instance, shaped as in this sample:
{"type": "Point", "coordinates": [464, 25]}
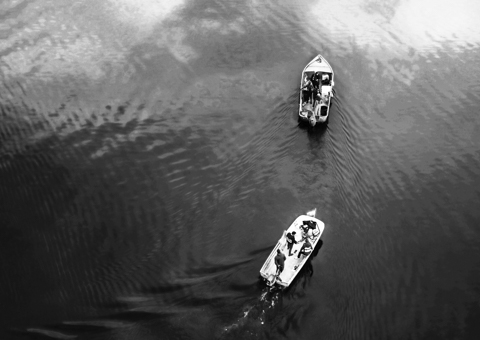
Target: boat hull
{"type": "Point", "coordinates": [293, 263]}
{"type": "Point", "coordinates": [314, 106]}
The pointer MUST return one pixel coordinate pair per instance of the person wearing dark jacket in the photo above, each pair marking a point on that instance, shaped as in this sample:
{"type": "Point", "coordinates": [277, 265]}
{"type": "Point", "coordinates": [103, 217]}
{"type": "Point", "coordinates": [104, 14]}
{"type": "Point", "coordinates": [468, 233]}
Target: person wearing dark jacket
{"type": "Point", "coordinates": [307, 90]}
{"type": "Point", "coordinates": [290, 242]}
{"type": "Point", "coordinates": [307, 226]}
{"type": "Point", "coordinates": [280, 262]}
{"type": "Point", "coordinates": [315, 79]}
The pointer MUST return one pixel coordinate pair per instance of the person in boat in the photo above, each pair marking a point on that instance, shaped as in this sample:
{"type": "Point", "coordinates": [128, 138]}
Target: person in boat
{"type": "Point", "coordinates": [304, 227]}
{"type": "Point", "coordinates": [311, 224]}
{"type": "Point", "coordinates": [290, 242]}
{"type": "Point", "coordinates": [315, 79]}
{"type": "Point", "coordinates": [280, 262]}
{"type": "Point", "coordinates": [307, 90]}
{"type": "Point", "coordinates": [318, 98]}
{"type": "Point", "coordinates": [306, 248]}
{"type": "Point", "coordinates": [307, 226]}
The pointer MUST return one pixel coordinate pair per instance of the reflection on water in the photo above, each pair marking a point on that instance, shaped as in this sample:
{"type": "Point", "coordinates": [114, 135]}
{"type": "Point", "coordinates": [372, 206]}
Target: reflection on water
{"type": "Point", "coordinates": [150, 157]}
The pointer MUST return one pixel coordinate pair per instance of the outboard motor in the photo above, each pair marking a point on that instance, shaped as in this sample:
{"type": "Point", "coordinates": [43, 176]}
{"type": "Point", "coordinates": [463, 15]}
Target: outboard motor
{"type": "Point", "coordinates": [312, 120]}
{"type": "Point", "coordinates": [271, 280]}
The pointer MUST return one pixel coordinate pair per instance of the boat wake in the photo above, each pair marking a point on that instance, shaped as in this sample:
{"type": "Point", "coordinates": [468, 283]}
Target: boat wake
{"type": "Point", "coordinates": [264, 316]}
{"type": "Point", "coordinates": [256, 318]}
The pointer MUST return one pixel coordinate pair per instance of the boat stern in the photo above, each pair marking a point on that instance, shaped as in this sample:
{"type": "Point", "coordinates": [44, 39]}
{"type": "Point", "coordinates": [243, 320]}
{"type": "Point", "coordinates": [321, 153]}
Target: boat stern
{"type": "Point", "coordinates": [308, 116]}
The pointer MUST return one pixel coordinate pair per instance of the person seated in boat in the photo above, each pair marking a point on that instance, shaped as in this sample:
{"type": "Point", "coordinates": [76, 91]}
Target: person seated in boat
{"type": "Point", "coordinates": [280, 262]}
{"type": "Point", "coordinates": [307, 89]}
{"type": "Point", "coordinates": [312, 226]}
{"type": "Point", "coordinates": [306, 227]}
{"type": "Point", "coordinates": [306, 248]}
{"type": "Point", "coordinates": [290, 242]}
{"type": "Point", "coordinates": [325, 79]}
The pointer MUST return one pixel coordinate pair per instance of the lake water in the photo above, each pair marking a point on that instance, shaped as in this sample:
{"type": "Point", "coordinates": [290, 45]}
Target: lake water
{"type": "Point", "coordinates": [150, 158]}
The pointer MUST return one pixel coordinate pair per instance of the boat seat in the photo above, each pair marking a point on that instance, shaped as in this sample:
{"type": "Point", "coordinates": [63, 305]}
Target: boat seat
{"type": "Point", "coordinates": [326, 90]}
{"type": "Point", "coordinates": [325, 79]}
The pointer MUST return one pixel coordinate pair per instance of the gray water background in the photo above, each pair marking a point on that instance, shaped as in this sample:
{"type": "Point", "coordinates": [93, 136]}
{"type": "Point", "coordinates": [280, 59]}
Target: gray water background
{"type": "Point", "coordinates": [150, 158]}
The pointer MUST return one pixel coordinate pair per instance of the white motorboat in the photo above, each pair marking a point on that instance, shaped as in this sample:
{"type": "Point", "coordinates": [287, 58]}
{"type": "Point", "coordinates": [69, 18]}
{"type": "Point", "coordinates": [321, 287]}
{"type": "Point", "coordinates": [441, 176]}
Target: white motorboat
{"type": "Point", "coordinates": [315, 101]}
{"type": "Point", "coordinates": [294, 262]}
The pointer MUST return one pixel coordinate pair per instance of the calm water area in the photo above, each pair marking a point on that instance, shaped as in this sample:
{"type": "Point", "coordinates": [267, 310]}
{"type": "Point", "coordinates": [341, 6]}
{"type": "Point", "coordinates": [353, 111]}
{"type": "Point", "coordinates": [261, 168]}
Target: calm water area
{"type": "Point", "coordinates": [151, 157]}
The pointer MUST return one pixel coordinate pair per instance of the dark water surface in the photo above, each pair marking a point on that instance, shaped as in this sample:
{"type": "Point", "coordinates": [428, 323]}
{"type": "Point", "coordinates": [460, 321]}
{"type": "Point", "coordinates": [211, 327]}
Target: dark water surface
{"type": "Point", "coordinates": [150, 157]}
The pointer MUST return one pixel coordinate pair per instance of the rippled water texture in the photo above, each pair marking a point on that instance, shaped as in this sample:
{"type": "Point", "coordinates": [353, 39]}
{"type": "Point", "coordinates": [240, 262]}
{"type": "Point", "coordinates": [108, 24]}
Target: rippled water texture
{"type": "Point", "coordinates": [150, 158]}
